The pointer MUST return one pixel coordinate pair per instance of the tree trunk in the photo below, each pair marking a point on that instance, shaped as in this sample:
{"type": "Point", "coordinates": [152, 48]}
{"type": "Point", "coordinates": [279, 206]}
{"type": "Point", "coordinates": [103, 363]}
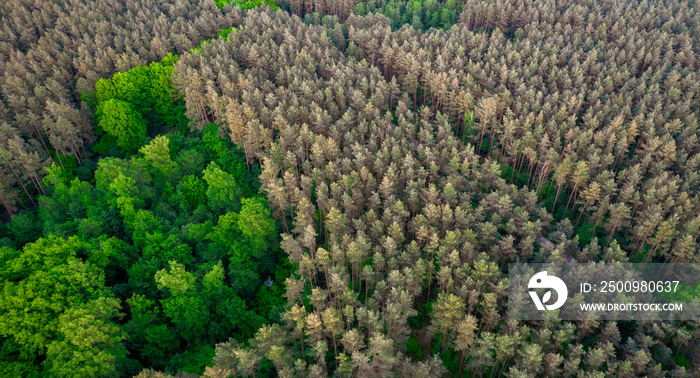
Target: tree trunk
{"type": "Point", "coordinates": [554, 206]}
{"type": "Point", "coordinates": [21, 184]}
{"type": "Point", "coordinates": [335, 346]}
{"type": "Point", "coordinates": [481, 137]}
{"type": "Point", "coordinates": [4, 203]}
{"type": "Point", "coordinates": [582, 211]}
{"type": "Point", "coordinates": [612, 232]}
{"type": "Point", "coordinates": [573, 192]}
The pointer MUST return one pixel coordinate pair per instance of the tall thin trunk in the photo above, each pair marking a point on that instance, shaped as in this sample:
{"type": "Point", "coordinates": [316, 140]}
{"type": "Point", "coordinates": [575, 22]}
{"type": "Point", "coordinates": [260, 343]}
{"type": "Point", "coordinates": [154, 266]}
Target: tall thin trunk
{"type": "Point", "coordinates": [543, 177]}
{"type": "Point", "coordinates": [481, 137]}
{"type": "Point", "coordinates": [582, 211]}
{"type": "Point", "coordinates": [612, 232]}
{"type": "Point", "coordinates": [554, 206]}
{"type": "Point", "coordinates": [573, 193]}
{"type": "Point", "coordinates": [512, 174]}
{"type": "Point", "coordinates": [529, 174]}
{"type": "Point", "coordinates": [335, 346]}
{"type": "Point", "coordinates": [19, 181]}
{"type": "Point", "coordinates": [4, 203]}
{"type": "Point", "coordinates": [76, 152]}
{"type": "Point", "coordinates": [59, 160]}
{"type": "Point", "coordinates": [522, 161]}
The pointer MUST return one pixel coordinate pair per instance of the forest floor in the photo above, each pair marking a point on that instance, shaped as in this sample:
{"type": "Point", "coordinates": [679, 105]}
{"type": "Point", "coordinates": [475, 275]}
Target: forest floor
{"type": "Point", "coordinates": [425, 340]}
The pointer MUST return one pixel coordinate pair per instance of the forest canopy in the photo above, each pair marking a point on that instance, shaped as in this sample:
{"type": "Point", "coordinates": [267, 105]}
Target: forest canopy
{"type": "Point", "coordinates": [336, 188]}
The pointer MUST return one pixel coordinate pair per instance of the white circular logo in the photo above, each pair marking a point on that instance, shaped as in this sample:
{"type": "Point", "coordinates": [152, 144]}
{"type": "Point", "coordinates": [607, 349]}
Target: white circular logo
{"type": "Point", "coordinates": [542, 281]}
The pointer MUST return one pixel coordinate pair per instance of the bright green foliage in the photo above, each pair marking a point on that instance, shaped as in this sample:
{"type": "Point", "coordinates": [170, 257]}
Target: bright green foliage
{"type": "Point", "coordinates": [223, 192]}
{"type": "Point", "coordinates": [163, 95]}
{"type": "Point", "coordinates": [6, 255]}
{"type": "Point", "coordinates": [244, 237]}
{"type": "Point", "coordinates": [157, 155]}
{"type": "Point", "coordinates": [233, 161]}
{"type": "Point", "coordinates": [176, 279]}
{"type": "Point", "coordinates": [187, 311]}
{"type": "Point", "coordinates": [215, 278]}
{"type": "Point", "coordinates": [225, 32]}
{"type": "Point", "coordinates": [245, 4]}
{"type": "Point", "coordinates": [160, 229]}
{"type": "Point", "coordinates": [148, 90]}
{"type": "Point", "coordinates": [255, 221]}
{"type": "Point", "coordinates": [90, 345]}
{"type": "Point", "coordinates": [132, 87]}
{"type": "Point", "coordinates": [40, 284]}
{"type": "Point", "coordinates": [421, 14]}
{"type": "Point", "coordinates": [125, 183]}
{"type": "Point", "coordinates": [72, 206]}
{"type": "Point", "coordinates": [200, 311]}
{"type": "Point", "coordinates": [144, 229]}
{"type": "Point", "coordinates": [105, 90]}
{"type": "Point", "coordinates": [226, 232]}
{"type": "Point", "coordinates": [110, 168]}
{"type": "Point", "coordinates": [125, 189]}
{"type": "Point", "coordinates": [120, 121]}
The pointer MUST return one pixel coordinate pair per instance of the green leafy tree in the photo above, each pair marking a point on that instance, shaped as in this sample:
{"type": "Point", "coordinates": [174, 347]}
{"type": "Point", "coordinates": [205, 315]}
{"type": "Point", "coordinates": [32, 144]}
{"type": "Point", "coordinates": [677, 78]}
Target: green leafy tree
{"type": "Point", "coordinates": [223, 192]}
{"type": "Point", "coordinates": [163, 96]}
{"type": "Point", "coordinates": [149, 336]}
{"type": "Point", "coordinates": [212, 140]}
{"type": "Point", "coordinates": [193, 191]}
{"type": "Point", "coordinates": [42, 283]}
{"type": "Point", "coordinates": [157, 155]}
{"type": "Point", "coordinates": [120, 121]}
{"type": "Point", "coordinates": [133, 86]}
{"type": "Point", "coordinates": [255, 221]}
{"type": "Point", "coordinates": [90, 344]}
{"type": "Point", "coordinates": [176, 279]}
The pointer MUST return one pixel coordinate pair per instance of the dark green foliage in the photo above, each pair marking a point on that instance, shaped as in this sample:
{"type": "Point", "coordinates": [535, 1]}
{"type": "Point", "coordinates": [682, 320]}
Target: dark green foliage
{"type": "Point", "coordinates": [245, 4]}
{"type": "Point", "coordinates": [421, 14]}
{"type": "Point", "coordinates": [682, 360]}
{"type": "Point", "coordinates": [68, 163]}
{"type": "Point", "coordinates": [227, 257]}
{"type": "Point", "coordinates": [122, 122]}
{"type": "Point", "coordinates": [172, 215]}
{"type": "Point", "coordinates": [24, 228]}
{"type": "Point", "coordinates": [585, 233]}
{"type": "Point", "coordinates": [212, 141]}
{"type": "Point", "coordinates": [413, 348]}
{"type": "Point", "coordinates": [194, 360]}
{"type": "Point", "coordinates": [225, 32]}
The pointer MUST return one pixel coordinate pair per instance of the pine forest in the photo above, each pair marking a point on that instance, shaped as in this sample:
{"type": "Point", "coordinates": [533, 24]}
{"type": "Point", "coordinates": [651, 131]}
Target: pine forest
{"type": "Point", "coordinates": [336, 188]}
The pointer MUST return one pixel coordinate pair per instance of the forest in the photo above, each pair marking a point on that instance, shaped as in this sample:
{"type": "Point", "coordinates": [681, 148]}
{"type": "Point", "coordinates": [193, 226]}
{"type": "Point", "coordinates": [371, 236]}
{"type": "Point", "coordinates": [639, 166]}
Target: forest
{"type": "Point", "coordinates": [318, 188]}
